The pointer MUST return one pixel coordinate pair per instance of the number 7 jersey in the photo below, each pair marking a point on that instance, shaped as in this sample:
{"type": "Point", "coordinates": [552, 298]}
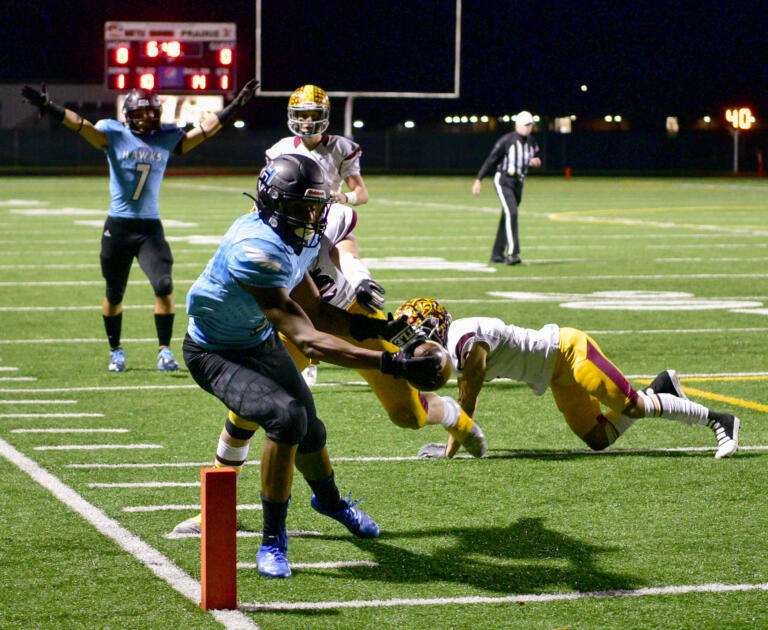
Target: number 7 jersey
{"type": "Point", "coordinates": [136, 167]}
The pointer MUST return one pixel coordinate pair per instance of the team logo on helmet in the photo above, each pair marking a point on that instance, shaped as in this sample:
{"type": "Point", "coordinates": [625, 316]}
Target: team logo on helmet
{"type": "Point", "coordinates": [428, 316]}
{"type": "Point", "coordinates": [142, 110]}
{"type": "Point", "coordinates": [309, 110]}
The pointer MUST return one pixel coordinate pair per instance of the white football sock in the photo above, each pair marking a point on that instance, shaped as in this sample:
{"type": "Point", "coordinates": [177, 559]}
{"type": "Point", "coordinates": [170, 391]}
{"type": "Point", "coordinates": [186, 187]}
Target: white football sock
{"type": "Point", "coordinates": [451, 412]}
{"type": "Point", "coordinates": [228, 456]}
{"type": "Point", "coordinates": [674, 408]}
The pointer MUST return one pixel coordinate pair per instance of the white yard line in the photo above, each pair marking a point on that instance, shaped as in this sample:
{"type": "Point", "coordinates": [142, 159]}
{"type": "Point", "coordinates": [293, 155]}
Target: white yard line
{"type": "Point", "coordinates": [495, 278]}
{"type": "Point", "coordinates": [147, 555]}
{"type": "Point", "coordinates": [295, 533]}
{"type": "Point", "coordinates": [96, 447]}
{"type": "Point", "coordinates": [178, 339]}
{"type": "Point", "coordinates": [51, 415]}
{"type": "Point", "coordinates": [108, 388]}
{"type": "Point", "coordinates": [164, 508]}
{"type": "Point", "coordinates": [411, 458]}
{"type": "Point", "coordinates": [38, 402]}
{"type": "Point", "coordinates": [516, 599]}
{"type": "Point", "coordinates": [70, 430]}
{"type": "Point", "coordinates": [342, 564]}
{"type": "Point", "coordinates": [148, 484]}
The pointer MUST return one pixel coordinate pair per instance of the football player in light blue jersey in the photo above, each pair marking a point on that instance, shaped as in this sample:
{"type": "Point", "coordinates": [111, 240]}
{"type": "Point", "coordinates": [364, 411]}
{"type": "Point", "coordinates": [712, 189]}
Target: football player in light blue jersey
{"type": "Point", "coordinates": [257, 283]}
{"type": "Point", "coordinates": [137, 153]}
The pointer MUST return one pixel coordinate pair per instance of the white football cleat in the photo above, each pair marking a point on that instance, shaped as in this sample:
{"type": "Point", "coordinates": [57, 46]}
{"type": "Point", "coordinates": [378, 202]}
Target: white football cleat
{"type": "Point", "coordinates": [192, 525]}
{"type": "Point", "coordinates": [727, 433]}
{"type": "Point", "coordinates": [433, 450]}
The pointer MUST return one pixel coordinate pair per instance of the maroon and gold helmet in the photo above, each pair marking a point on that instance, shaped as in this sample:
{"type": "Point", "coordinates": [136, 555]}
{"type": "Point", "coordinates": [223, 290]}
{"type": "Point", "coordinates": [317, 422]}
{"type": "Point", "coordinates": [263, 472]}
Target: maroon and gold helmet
{"type": "Point", "coordinates": [308, 101]}
{"type": "Point", "coordinates": [427, 316]}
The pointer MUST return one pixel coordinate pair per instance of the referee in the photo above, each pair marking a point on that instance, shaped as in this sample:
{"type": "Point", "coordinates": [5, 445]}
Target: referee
{"type": "Point", "coordinates": [511, 156]}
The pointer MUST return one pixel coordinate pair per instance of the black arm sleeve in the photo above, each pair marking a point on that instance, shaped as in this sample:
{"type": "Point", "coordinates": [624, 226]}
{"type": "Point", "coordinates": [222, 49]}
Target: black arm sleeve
{"type": "Point", "coordinates": [493, 158]}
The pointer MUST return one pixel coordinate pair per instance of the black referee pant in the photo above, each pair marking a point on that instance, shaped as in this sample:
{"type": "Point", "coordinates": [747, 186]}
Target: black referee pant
{"type": "Point", "coordinates": [510, 192]}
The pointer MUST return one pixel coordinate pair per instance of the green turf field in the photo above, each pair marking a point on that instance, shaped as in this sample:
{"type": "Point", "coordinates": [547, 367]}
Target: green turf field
{"type": "Point", "coordinates": [656, 533]}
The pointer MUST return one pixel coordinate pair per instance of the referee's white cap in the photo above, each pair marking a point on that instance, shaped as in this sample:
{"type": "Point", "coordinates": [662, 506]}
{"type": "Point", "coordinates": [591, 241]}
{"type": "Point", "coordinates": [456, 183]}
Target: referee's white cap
{"type": "Point", "coordinates": [524, 118]}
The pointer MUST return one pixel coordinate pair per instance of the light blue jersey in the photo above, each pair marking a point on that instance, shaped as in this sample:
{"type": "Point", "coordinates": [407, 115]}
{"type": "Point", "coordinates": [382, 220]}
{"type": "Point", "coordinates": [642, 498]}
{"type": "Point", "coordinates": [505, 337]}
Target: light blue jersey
{"type": "Point", "coordinates": [136, 166]}
{"type": "Point", "coordinates": [221, 313]}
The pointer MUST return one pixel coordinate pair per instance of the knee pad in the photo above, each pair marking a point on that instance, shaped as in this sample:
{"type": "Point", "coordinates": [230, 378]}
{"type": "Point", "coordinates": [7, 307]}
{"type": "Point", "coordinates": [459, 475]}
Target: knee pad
{"type": "Point", "coordinates": [314, 439]}
{"type": "Point", "coordinates": [236, 431]}
{"type": "Point", "coordinates": [163, 286]}
{"type": "Point", "coordinates": [601, 436]}
{"type": "Point", "coordinates": [115, 295]}
{"type": "Point", "coordinates": [289, 425]}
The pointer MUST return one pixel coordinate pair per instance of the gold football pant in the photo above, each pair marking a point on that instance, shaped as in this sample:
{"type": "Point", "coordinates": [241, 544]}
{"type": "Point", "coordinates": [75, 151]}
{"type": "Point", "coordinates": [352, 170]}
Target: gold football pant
{"type": "Point", "coordinates": [400, 399]}
{"type": "Point", "coordinates": [583, 379]}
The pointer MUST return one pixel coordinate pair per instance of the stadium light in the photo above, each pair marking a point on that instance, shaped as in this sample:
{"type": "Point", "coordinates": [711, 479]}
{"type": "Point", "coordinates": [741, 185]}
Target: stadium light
{"type": "Point", "coordinates": [572, 116]}
{"type": "Point", "coordinates": [617, 118]}
{"type": "Point", "coordinates": [505, 118]}
{"type": "Point", "coordinates": [464, 119]}
{"type": "Point", "coordinates": [484, 119]}
{"type": "Point", "coordinates": [473, 119]}
{"type": "Point", "coordinates": [584, 87]}
{"type": "Point", "coordinates": [238, 124]}
{"type": "Point", "coordinates": [707, 119]}
{"type": "Point", "coordinates": [536, 118]}
{"type": "Point", "coordinates": [448, 119]}
{"type": "Point", "coordinates": [456, 119]}
{"type": "Point", "coordinates": [409, 124]}
{"type": "Point", "coordinates": [608, 118]}
{"type": "Point", "coordinates": [358, 124]}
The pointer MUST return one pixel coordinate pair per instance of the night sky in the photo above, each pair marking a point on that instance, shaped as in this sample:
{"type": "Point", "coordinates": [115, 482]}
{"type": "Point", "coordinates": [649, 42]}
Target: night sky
{"type": "Point", "coordinates": [644, 60]}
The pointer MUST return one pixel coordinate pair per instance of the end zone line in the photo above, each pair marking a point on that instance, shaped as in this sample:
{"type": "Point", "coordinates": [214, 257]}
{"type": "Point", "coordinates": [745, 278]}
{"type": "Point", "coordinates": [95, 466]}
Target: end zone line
{"type": "Point", "coordinates": [147, 555]}
{"type": "Point", "coordinates": [516, 599]}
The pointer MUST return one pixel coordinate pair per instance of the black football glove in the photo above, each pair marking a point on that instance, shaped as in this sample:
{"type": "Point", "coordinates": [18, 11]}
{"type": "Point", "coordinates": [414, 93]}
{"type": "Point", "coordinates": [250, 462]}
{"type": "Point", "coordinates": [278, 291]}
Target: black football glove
{"type": "Point", "coordinates": [241, 99]}
{"type": "Point", "coordinates": [396, 331]}
{"type": "Point", "coordinates": [421, 372]}
{"type": "Point", "coordinates": [246, 93]}
{"type": "Point", "coordinates": [370, 295]}
{"type": "Point", "coordinates": [43, 102]}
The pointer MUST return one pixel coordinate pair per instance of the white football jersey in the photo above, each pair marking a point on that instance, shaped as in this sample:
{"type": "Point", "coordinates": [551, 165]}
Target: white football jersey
{"type": "Point", "coordinates": [332, 284]}
{"type": "Point", "coordinates": [338, 156]}
{"type": "Point", "coordinates": [521, 354]}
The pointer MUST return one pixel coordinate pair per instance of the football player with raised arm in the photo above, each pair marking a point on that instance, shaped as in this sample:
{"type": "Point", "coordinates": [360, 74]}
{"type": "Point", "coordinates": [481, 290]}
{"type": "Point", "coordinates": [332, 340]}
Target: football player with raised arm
{"type": "Point", "coordinates": [137, 153]}
{"type": "Point", "coordinates": [255, 284]}
{"type": "Point", "coordinates": [568, 362]}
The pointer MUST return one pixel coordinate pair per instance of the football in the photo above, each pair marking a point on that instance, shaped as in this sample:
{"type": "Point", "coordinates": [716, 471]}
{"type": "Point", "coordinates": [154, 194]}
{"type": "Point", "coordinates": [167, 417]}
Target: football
{"type": "Point", "coordinates": [432, 348]}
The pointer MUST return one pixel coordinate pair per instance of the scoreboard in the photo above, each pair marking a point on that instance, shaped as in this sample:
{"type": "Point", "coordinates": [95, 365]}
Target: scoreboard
{"type": "Point", "coordinates": [172, 57]}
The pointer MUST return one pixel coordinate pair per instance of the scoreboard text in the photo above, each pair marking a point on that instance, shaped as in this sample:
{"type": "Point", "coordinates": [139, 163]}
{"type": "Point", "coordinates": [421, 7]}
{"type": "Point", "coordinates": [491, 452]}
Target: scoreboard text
{"type": "Point", "coordinates": [176, 57]}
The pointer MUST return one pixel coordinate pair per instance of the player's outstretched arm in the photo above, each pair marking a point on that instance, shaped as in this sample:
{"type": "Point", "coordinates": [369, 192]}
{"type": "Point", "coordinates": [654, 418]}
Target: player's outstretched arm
{"type": "Point", "coordinates": [71, 120]}
{"type": "Point", "coordinates": [336, 321]}
{"type": "Point", "coordinates": [214, 122]}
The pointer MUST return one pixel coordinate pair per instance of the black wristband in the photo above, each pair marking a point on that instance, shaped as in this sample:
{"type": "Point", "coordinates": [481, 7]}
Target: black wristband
{"type": "Point", "coordinates": [228, 112]}
{"type": "Point", "coordinates": [57, 112]}
{"type": "Point", "coordinates": [362, 327]}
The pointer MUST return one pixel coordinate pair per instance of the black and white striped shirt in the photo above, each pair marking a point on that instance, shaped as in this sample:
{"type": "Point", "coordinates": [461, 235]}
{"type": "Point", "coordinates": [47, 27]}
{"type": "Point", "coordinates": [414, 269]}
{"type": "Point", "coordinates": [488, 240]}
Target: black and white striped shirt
{"type": "Point", "coordinates": [510, 156]}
